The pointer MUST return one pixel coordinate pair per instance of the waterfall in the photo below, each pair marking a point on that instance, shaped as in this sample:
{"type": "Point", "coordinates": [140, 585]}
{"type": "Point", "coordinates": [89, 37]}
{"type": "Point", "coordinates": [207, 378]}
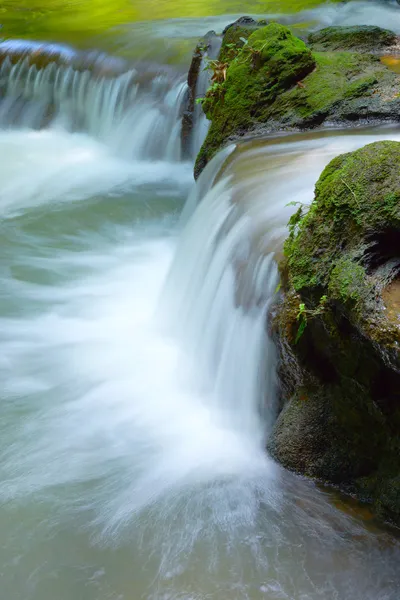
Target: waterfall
{"type": "Point", "coordinates": [138, 376]}
{"type": "Point", "coordinates": [137, 115]}
{"type": "Point", "coordinates": [219, 291]}
{"type": "Point", "coordinates": [223, 280]}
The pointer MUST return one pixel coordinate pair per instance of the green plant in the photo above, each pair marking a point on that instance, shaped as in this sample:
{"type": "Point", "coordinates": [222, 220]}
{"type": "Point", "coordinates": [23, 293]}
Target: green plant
{"type": "Point", "coordinates": [218, 69]}
{"type": "Point", "coordinates": [216, 90]}
{"type": "Point", "coordinates": [251, 53]}
{"type": "Point", "coordinates": [295, 219]}
{"type": "Point", "coordinates": [304, 313]}
{"type": "Point", "coordinates": [302, 319]}
{"type": "Point", "coordinates": [233, 49]}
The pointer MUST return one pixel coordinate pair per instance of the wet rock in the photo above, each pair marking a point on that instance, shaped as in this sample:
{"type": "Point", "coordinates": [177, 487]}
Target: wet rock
{"type": "Point", "coordinates": [339, 343]}
{"type": "Point", "coordinates": [274, 82]}
{"type": "Point", "coordinates": [207, 46]}
{"type": "Point", "coordinates": [364, 38]}
{"type": "Point", "coordinates": [242, 22]}
{"type": "Point", "coordinates": [270, 61]}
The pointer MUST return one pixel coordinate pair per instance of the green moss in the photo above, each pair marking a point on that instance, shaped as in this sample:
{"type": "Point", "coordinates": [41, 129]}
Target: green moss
{"type": "Point", "coordinates": [284, 58]}
{"type": "Point", "coordinates": [338, 76]}
{"type": "Point", "coordinates": [354, 197]}
{"type": "Point", "coordinates": [391, 205]}
{"type": "Point", "coordinates": [232, 42]}
{"type": "Point", "coordinates": [361, 87]}
{"type": "Point", "coordinates": [365, 37]}
{"type": "Point", "coordinates": [274, 82]}
{"type": "Point", "coordinates": [348, 282]}
{"type": "Point", "coordinates": [271, 62]}
{"type": "Point", "coordinates": [348, 359]}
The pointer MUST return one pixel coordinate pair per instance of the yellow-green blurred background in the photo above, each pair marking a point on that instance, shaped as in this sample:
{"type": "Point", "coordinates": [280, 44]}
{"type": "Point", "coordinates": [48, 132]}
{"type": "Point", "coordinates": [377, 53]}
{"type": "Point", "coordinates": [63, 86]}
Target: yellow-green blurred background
{"type": "Point", "coordinates": [73, 20]}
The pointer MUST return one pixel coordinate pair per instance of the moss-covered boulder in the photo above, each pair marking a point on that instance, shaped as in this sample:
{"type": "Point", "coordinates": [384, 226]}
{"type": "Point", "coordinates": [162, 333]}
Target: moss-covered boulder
{"type": "Point", "coordinates": [338, 331]}
{"type": "Point", "coordinates": [269, 61]}
{"type": "Point", "coordinates": [357, 38]}
{"type": "Point", "coordinates": [235, 35]}
{"type": "Point", "coordinates": [272, 81]}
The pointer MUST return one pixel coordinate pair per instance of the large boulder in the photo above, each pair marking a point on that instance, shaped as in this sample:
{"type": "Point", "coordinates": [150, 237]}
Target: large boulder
{"type": "Point", "coordinates": [268, 80]}
{"type": "Point", "coordinates": [338, 331]}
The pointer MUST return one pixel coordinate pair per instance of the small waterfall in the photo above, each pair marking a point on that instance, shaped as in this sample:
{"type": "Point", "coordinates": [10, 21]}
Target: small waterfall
{"type": "Point", "coordinates": [223, 279]}
{"type": "Point", "coordinates": [205, 182]}
{"type": "Point", "coordinates": [220, 288]}
{"type": "Point", "coordinates": [136, 113]}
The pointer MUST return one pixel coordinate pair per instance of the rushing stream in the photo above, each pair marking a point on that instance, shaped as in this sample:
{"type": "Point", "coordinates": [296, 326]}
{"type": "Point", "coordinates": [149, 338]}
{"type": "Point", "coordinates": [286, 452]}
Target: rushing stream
{"type": "Point", "coordinates": [138, 378]}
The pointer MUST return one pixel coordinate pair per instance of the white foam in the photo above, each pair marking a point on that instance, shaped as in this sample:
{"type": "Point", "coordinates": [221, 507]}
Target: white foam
{"type": "Point", "coordinates": [53, 165]}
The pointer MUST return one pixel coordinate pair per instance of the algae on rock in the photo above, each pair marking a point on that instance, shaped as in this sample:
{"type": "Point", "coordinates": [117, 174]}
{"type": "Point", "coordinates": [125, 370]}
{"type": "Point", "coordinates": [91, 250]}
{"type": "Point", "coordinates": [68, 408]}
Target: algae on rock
{"type": "Point", "coordinates": [271, 61]}
{"type": "Point", "coordinates": [274, 82]}
{"type": "Point", "coordinates": [356, 38]}
{"type": "Point", "coordinates": [341, 379]}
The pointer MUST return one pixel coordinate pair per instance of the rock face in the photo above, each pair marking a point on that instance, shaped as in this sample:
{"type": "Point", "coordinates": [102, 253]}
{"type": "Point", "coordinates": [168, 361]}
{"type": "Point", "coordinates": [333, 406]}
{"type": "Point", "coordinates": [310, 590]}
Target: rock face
{"type": "Point", "coordinates": [338, 331]}
{"type": "Point", "coordinates": [208, 47]}
{"type": "Point", "coordinates": [274, 82]}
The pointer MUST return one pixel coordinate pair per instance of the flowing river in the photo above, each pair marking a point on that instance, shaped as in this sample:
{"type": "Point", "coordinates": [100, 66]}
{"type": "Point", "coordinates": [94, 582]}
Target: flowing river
{"type": "Point", "coordinates": [137, 375]}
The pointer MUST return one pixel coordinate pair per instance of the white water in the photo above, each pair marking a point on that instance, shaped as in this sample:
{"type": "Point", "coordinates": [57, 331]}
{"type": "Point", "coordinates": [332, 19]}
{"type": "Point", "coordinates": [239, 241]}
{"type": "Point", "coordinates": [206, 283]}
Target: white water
{"type": "Point", "coordinates": [53, 165]}
{"type": "Point", "coordinates": [135, 118]}
{"type": "Point", "coordinates": [138, 382]}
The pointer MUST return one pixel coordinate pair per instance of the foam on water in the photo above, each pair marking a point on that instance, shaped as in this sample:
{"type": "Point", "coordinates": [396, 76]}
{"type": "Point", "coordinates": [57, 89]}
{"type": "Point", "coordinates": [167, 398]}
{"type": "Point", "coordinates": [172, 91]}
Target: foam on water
{"type": "Point", "coordinates": [52, 166]}
{"type": "Point", "coordinates": [138, 118]}
{"type": "Point", "coordinates": [138, 386]}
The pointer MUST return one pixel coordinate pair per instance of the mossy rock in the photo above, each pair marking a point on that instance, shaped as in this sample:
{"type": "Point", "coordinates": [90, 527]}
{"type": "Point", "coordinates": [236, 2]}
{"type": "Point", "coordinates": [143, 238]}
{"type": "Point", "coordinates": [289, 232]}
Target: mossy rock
{"type": "Point", "coordinates": [364, 38]}
{"type": "Point", "coordinates": [235, 36]}
{"type": "Point", "coordinates": [275, 83]}
{"type": "Point", "coordinates": [271, 61]}
{"type": "Point", "coordinates": [341, 377]}
{"type": "Point", "coordinates": [346, 246]}
{"type": "Point", "coordinates": [318, 435]}
{"type": "Point", "coordinates": [344, 87]}
{"type": "Point", "coordinates": [357, 200]}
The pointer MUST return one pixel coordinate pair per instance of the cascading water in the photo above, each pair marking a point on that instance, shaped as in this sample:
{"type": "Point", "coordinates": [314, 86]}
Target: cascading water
{"type": "Point", "coordinates": [137, 374]}
{"type": "Point", "coordinates": [138, 118]}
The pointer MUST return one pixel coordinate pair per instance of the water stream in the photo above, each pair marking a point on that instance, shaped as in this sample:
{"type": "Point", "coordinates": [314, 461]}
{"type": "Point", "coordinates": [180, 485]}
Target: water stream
{"type": "Point", "coordinates": [138, 378]}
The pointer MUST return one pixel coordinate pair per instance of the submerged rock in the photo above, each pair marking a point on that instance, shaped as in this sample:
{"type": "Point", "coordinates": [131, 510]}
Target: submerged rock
{"type": "Point", "coordinates": [274, 82]}
{"type": "Point", "coordinates": [338, 331]}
